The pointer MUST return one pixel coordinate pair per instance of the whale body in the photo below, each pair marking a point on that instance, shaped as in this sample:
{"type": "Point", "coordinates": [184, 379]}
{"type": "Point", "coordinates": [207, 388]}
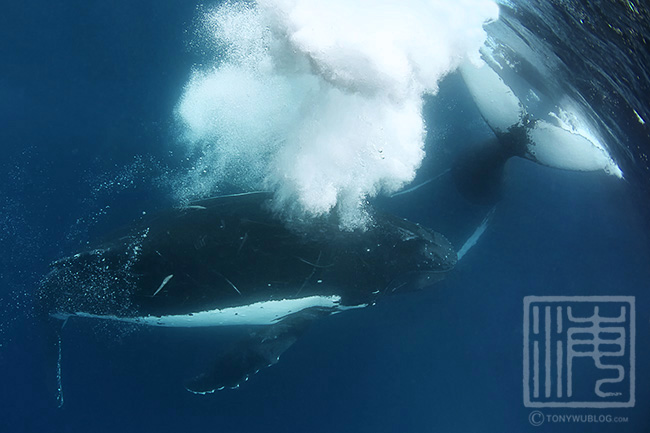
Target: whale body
{"type": "Point", "coordinates": [228, 261]}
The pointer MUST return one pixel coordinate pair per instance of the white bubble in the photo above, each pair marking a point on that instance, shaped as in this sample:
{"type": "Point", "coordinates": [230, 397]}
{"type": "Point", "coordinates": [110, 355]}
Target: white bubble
{"type": "Point", "coordinates": [321, 102]}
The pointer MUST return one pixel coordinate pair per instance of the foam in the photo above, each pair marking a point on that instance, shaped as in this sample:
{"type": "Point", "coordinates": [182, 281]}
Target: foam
{"type": "Point", "coordinates": [321, 102]}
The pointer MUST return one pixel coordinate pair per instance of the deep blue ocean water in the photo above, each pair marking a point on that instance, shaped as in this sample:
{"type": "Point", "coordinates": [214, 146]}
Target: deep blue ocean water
{"type": "Point", "coordinates": [88, 92]}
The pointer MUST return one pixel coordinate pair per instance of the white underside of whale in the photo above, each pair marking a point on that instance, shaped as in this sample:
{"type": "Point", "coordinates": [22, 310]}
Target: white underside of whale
{"type": "Point", "coordinates": [259, 313]}
{"type": "Point", "coordinates": [562, 148]}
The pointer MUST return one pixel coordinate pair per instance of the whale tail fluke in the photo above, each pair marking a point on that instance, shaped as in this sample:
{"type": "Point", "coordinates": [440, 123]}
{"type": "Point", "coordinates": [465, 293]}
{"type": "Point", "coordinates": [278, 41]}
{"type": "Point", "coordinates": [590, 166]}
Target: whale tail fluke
{"type": "Point", "coordinates": [562, 138]}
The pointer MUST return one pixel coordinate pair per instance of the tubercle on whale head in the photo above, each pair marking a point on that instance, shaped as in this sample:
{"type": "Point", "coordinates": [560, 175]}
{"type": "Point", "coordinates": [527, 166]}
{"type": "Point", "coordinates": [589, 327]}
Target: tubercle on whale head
{"type": "Point", "coordinates": [439, 250]}
{"type": "Point", "coordinates": [431, 250]}
{"type": "Point", "coordinates": [420, 259]}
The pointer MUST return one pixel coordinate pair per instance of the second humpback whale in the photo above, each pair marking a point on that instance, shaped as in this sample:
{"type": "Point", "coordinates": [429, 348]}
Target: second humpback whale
{"type": "Point", "coordinates": [228, 261]}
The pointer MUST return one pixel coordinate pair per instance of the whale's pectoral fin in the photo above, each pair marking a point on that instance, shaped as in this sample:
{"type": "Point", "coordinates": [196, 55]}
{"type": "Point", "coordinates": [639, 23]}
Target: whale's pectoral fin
{"type": "Point", "coordinates": [247, 357]}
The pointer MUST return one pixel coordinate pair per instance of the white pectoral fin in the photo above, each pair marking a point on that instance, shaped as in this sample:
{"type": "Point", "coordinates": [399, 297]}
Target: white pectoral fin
{"type": "Point", "coordinates": [497, 103]}
{"type": "Point", "coordinates": [557, 147]}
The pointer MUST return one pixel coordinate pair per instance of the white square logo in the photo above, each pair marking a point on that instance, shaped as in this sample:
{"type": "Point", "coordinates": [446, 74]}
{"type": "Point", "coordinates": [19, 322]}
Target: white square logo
{"type": "Point", "coordinates": [579, 351]}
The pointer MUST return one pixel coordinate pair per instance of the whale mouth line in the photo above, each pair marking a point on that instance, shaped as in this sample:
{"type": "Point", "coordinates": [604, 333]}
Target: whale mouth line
{"type": "Point", "coordinates": [258, 313]}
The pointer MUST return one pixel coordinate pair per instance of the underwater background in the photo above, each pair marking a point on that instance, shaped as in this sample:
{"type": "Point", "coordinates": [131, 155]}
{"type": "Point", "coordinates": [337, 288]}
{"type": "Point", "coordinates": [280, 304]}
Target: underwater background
{"type": "Point", "coordinates": [101, 113]}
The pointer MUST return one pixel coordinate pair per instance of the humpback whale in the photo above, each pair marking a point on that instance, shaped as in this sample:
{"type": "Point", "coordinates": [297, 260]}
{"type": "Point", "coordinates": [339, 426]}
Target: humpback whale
{"type": "Point", "coordinates": [228, 261]}
{"type": "Point", "coordinates": [543, 138]}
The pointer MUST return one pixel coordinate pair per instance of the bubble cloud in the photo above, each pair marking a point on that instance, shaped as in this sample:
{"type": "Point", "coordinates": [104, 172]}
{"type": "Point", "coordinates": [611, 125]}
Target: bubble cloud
{"type": "Point", "coordinates": [320, 101]}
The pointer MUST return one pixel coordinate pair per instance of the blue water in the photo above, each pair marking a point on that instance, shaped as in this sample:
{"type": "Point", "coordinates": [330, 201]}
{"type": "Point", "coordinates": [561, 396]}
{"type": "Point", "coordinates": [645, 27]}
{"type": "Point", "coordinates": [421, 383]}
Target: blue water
{"type": "Point", "coordinates": [89, 140]}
